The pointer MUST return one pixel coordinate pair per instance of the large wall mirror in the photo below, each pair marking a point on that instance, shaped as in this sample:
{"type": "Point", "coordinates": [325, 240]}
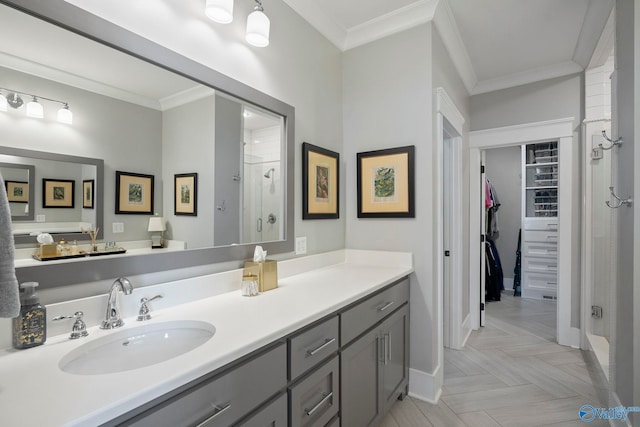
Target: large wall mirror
{"type": "Point", "coordinates": [143, 109]}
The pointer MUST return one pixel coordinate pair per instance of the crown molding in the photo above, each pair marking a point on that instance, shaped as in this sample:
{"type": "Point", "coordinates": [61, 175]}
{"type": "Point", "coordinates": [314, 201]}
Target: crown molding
{"type": "Point", "coordinates": [593, 24]}
{"type": "Point", "coordinates": [186, 96]}
{"type": "Point", "coordinates": [447, 27]}
{"type": "Point", "coordinates": [526, 77]}
{"type": "Point", "coordinates": [325, 25]}
{"type": "Point", "coordinates": [66, 78]}
{"type": "Point", "coordinates": [399, 20]}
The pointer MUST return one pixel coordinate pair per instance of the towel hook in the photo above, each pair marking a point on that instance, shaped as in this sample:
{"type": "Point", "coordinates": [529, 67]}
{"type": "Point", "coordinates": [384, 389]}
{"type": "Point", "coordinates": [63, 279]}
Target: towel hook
{"type": "Point", "coordinates": [617, 142]}
{"type": "Point", "coordinates": [620, 201]}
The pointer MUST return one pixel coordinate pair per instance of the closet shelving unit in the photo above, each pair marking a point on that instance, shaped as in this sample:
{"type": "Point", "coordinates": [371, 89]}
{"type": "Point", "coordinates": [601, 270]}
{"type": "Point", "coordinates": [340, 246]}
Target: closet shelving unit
{"type": "Point", "coordinates": [540, 220]}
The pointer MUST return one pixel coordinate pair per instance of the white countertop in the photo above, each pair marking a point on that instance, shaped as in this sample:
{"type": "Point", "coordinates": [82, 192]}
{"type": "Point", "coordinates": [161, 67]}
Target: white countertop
{"type": "Point", "coordinates": [33, 388]}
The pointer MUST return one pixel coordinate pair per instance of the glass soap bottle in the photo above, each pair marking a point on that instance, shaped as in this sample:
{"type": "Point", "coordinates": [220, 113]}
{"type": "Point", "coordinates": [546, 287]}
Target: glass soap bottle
{"type": "Point", "coordinates": [30, 327]}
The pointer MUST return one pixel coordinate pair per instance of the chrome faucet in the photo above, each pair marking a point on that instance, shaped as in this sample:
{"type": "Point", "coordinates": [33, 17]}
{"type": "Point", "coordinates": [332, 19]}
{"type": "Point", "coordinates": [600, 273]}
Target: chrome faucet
{"type": "Point", "coordinates": [112, 318]}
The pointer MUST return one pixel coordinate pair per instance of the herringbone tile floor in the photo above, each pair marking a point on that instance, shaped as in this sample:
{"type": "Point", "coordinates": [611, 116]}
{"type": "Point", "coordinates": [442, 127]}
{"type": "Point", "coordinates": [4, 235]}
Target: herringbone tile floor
{"type": "Point", "coordinates": [510, 373]}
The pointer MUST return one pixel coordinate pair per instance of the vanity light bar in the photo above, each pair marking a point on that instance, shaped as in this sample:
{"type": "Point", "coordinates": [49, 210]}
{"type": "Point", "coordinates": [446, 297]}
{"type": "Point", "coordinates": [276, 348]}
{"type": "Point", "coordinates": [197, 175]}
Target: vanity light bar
{"type": "Point", "coordinates": [258, 24]}
{"type": "Point", "coordinates": [12, 98]}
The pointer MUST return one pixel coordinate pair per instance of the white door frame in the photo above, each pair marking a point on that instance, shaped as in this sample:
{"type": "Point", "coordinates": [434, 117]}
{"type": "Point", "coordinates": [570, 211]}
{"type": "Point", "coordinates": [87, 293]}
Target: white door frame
{"type": "Point", "coordinates": [450, 121]}
{"type": "Point", "coordinates": [561, 130]}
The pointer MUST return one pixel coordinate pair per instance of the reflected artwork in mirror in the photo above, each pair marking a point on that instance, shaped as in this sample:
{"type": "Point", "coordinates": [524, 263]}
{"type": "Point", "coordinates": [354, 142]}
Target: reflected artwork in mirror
{"type": "Point", "coordinates": [19, 182]}
{"type": "Point", "coordinates": [133, 115]}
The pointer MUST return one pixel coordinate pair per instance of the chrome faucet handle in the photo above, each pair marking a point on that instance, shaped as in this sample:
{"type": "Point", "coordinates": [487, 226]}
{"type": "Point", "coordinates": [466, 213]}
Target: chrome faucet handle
{"type": "Point", "coordinates": [79, 328]}
{"type": "Point", "coordinates": [145, 313]}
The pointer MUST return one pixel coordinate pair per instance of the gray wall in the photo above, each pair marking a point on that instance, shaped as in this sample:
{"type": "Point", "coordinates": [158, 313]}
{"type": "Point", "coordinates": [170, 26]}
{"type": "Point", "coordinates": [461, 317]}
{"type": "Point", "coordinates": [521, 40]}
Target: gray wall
{"type": "Point", "coordinates": [124, 135]}
{"type": "Point", "coordinates": [546, 100]}
{"type": "Point", "coordinates": [503, 168]}
{"type": "Point", "coordinates": [188, 136]}
{"type": "Point", "coordinates": [626, 338]}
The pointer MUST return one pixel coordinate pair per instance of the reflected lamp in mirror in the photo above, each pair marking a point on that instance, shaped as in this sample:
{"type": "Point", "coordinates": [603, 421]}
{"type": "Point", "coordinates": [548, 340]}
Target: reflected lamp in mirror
{"type": "Point", "coordinates": [156, 228]}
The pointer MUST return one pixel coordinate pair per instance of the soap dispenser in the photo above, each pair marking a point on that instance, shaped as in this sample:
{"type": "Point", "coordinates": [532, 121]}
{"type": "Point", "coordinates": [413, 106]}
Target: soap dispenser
{"type": "Point", "coordinates": [30, 327]}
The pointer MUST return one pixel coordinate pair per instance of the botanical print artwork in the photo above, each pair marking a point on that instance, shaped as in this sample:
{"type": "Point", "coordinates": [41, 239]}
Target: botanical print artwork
{"type": "Point", "coordinates": [18, 192]}
{"type": "Point", "coordinates": [322, 184]}
{"type": "Point", "coordinates": [87, 193]}
{"type": "Point", "coordinates": [185, 194]}
{"type": "Point", "coordinates": [384, 184]}
{"type": "Point", "coordinates": [135, 194]}
{"type": "Point", "coordinates": [58, 193]}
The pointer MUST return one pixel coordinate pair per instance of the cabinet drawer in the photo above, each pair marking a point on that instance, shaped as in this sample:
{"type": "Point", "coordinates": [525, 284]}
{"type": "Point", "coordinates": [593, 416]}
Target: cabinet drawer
{"type": "Point", "coordinates": [274, 414]}
{"type": "Point", "coordinates": [540, 265]}
{"type": "Point", "coordinates": [540, 224]}
{"type": "Point", "coordinates": [334, 423]}
{"type": "Point", "coordinates": [312, 346]}
{"type": "Point", "coordinates": [224, 399]}
{"type": "Point", "coordinates": [550, 237]}
{"type": "Point", "coordinates": [366, 314]}
{"type": "Point", "coordinates": [315, 399]}
{"type": "Point", "coordinates": [544, 250]}
{"type": "Point", "coordinates": [540, 281]}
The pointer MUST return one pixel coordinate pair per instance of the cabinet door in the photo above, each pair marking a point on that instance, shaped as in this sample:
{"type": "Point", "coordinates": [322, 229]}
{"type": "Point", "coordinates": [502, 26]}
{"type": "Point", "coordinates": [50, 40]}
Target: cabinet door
{"type": "Point", "coordinates": [315, 399]}
{"type": "Point", "coordinates": [359, 370]}
{"type": "Point", "coordinates": [394, 334]}
{"type": "Point", "coordinates": [274, 414]}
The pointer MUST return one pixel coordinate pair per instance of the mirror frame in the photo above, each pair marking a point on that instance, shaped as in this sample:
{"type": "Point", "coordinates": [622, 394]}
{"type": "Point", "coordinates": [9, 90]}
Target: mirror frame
{"type": "Point", "coordinates": [83, 23]}
{"type": "Point", "coordinates": [31, 170]}
{"type": "Point", "coordinates": [99, 201]}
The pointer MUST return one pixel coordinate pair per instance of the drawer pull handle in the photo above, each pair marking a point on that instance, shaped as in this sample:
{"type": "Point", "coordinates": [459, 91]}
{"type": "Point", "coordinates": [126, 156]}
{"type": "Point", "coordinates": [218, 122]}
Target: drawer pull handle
{"type": "Point", "coordinates": [215, 414]}
{"type": "Point", "coordinates": [325, 398]}
{"type": "Point", "coordinates": [552, 283]}
{"type": "Point", "coordinates": [327, 342]}
{"type": "Point", "coordinates": [384, 307]}
{"type": "Point", "coordinates": [552, 237]}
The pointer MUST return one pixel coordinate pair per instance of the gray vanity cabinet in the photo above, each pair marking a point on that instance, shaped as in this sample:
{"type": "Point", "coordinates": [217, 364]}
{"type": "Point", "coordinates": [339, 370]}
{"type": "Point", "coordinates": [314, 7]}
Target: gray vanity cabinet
{"type": "Point", "coordinates": [275, 414]}
{"type": "Point", "coordinates": [222, 400]}
{"type": "Point", "coordinates": [375, 367]}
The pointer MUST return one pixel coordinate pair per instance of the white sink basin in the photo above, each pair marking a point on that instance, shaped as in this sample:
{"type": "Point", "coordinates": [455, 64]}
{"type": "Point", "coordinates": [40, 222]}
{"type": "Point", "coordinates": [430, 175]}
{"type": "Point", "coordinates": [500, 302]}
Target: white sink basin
{"type": "Point", "coordinates": [137, 347]}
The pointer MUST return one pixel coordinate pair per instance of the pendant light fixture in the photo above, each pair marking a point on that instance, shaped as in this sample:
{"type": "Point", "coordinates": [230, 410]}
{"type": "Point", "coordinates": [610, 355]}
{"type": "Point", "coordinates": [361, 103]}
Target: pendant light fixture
{"type": "Point", "coordinates": [34, 109]}
{"type": "Point", "coordinates": [220, 11]}
{"type": "Point", "coordinates": [258, 27]}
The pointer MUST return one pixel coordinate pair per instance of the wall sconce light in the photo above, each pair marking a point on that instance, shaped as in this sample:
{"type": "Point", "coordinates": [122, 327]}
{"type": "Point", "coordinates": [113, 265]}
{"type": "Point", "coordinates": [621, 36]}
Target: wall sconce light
{"type": "Point", "coordinates": [258, 26]}
{"type": "Point", "coordinates": [34, 109]}
{"type": "Point", "coordinates": [11, 98]}
{"type": "Point", "coordinates": [220, 11]}
{"type": "Point", "coordinates": [156, 224]}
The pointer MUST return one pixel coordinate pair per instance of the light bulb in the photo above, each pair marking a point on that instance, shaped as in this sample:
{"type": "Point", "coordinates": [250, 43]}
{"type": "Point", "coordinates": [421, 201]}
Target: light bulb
{"type": "Point", "coordinates": [34, 109]}
{"type": "Point", "coordinates": [65, 115]}
{"type": "Point", "coordinates": [3, 102]}
{"type": "Point", "coordinates": [220, 11]}
{"type": "Point", "coordinates": [258, 28]}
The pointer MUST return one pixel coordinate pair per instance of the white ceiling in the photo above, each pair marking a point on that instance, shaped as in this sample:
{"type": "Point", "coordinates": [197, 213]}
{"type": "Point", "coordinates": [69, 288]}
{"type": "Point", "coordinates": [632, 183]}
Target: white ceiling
{"type": "Point", "coordinates": [494, 43]}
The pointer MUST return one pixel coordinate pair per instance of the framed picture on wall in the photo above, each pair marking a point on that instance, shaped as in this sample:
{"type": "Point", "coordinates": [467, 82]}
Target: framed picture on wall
{"type": "Point", "coordinates": [185, 194]}
{"type": "Point", "coordinates": [88, 186]}
{"type": "Point", "coordinates": [17, 191]}
{"type": "Point", "coordinates": [386, 183]}
{"type": "Point", "coordinates": [320, 183]}
{"type": "Point", "coordinates": [58, 193]}
{"type": "Point", "coordinates": [134, 193]}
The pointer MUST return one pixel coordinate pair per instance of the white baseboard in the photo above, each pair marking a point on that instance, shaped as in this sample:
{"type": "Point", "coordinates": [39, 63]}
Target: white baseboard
{"type": "Point", "coordinates": [466, 329]}
{"type": "Point", "coordinates": [425, 386]}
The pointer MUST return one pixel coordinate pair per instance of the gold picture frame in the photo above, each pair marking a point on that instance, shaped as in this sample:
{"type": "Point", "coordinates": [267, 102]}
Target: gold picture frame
{"type": "Point", "coordinates": [88, 188]}
{"type": "Point", "coordinates": [386, 183]}
{"type": "Point", "coordinates": [320, 183]}
{"type": "Point", "coordinates": [17, 191]}
{"type": "Point", "coordinates": [185, 194]}
{"type": "Point", "coordinates": [58, 193]}
{"type": "Point", "coordinates": [134, 193]}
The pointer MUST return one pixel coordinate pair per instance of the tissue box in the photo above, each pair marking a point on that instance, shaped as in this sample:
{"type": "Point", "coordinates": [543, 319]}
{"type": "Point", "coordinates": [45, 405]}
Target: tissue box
{"type": "Point", "coordinates": [267, 272]}
{"type": "Point", "coordinates": [48, 250]}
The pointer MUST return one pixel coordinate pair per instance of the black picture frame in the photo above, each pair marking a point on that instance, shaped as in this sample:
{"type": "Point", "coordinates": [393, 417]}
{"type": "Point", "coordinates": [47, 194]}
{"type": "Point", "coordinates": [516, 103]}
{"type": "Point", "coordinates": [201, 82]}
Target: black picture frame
{"type": "Point", "coordinates": [185, 194]}
{"type": "Point", "coordinates": [386, 183]}
{"type": "Point", "coordinates": [134, 193]}
{"type": "Point", "coordinates": [58, 193]}
{"type": "Point", "coordinates": [88, 193]}
{"type": "Point", "coordinates": [320, 182]}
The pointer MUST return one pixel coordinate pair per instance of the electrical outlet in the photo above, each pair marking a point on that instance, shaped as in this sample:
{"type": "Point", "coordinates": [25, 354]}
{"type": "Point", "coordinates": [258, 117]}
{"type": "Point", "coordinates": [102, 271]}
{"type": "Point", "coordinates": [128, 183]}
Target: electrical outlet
{"type": "Point", "coordinates": [118, 227]}
{"type": "Point", "coordinates": [301, 245]}
{"type": "Point", "coordinates": [40, 218]}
